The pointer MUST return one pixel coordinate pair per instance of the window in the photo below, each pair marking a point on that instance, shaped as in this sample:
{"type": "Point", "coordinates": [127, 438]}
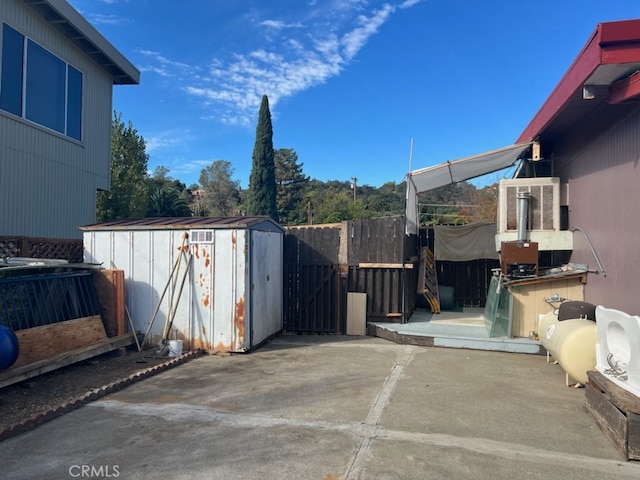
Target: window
{"type": "Point", "coordinates": [11, 78]}
{"type": "Point", "coordinates": [39, 86]}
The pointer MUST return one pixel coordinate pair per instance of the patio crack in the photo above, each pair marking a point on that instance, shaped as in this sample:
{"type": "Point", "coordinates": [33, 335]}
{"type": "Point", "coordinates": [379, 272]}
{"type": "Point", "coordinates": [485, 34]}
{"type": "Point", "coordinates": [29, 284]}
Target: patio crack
{"type": "Point", "coordinates": [355, 467]}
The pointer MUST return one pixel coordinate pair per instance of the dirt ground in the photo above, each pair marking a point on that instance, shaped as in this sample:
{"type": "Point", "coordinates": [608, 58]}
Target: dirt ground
{"type": "Point", "coordinates": [37, 395]}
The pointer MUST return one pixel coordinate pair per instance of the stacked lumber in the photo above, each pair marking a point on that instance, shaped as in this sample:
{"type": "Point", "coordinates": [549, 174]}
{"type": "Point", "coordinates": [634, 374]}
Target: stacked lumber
{"type": "Point", "coordinates": [56, 345]}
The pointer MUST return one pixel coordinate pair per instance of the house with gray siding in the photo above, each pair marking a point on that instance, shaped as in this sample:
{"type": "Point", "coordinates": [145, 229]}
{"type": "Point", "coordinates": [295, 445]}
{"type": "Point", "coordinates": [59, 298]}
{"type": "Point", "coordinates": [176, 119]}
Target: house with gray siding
{"type": "Point", "coordinates": [56, 78]}
{"type": "Point", "coordinates": [588, 131]}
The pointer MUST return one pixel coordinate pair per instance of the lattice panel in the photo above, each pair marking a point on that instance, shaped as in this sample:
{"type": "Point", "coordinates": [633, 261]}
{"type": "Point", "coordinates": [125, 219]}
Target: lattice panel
{"type": "Point", "coordinates": [64, 250]}
{"type": "Point", "coordinates": [54, 248]}
{"type": "Point", "coordinates": [9, 247]}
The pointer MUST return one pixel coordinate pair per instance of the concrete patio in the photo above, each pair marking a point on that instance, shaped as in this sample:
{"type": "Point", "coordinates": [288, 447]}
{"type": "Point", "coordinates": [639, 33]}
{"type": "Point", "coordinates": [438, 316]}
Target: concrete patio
{"type": "Point", "coordinates": [330, 407]}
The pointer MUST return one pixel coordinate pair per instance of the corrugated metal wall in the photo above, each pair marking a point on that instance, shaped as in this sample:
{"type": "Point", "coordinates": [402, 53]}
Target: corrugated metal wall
{"type": "Point", "coordinates": [48, 182]}
{"type": "Point", "coordinates": [266, 284]}
{"type": "Point", "coordinates": [231, 299]}
{"type": "Point", "coordinates": [601, 164]}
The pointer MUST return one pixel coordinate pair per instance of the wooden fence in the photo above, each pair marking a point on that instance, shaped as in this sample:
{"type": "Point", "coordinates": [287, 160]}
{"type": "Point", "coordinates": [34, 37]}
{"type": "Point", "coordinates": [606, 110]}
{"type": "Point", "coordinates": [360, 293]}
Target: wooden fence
{"type": "Point", "coordinates": [323, 263]}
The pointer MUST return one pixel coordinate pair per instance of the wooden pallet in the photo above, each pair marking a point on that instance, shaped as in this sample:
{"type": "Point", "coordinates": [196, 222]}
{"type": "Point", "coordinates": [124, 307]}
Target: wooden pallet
{"type": "Point", "coordinates": [617, 413]}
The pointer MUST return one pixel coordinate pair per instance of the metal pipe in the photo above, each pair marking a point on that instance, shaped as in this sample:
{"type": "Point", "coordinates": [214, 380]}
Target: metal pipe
{"type": "Point", "coordinates": [523, 214]}
{"type": "Point", "coordinates": [595, 255]}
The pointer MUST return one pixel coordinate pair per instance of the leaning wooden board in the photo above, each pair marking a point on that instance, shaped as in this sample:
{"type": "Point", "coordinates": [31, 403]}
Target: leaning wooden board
{"type": "Point", "coordinates": [110, 290]}
{"type": "Point", "coordinates": [39, 343]}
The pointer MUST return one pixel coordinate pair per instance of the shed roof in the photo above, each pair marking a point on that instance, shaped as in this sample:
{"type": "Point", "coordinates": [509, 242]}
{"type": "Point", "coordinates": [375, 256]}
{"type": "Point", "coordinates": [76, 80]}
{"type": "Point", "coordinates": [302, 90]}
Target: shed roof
{"type": "Point", "coordinates": [605, 66]}
{"type": "Point", "coordinates": [64, 18]}
{"type": "Point", "coordinates": [186, 223]}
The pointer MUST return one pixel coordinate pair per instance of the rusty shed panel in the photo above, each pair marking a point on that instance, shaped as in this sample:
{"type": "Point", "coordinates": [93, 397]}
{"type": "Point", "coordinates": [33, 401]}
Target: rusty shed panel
{"type": "Point", "coordinates": [207, 283]}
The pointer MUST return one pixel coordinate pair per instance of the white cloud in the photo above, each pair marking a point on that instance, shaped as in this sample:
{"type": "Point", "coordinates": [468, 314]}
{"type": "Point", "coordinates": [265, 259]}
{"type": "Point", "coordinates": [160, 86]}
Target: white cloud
{"type": "Point", "coordinates": [99, 19]}
{"type": "Point", "coordinates": [354, 40]}
{"type": "Point", "coordinates": [295, 60]}
{"type": "Point", "coordinates": [156, 56]}
{"type": "Point", "coordinates": [162, 140]}
{"type": "Point", "coordinates": [409, 3]}
{"type": "Point", "coordinates": [279, 24]}
{"type": "Point", "coordinates": [183, 168]}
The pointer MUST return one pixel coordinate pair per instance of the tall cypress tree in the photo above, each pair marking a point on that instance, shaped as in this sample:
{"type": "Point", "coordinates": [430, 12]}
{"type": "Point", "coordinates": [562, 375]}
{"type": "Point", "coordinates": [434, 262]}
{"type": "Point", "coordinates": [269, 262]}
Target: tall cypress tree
{"type": "Point", "coordinates": [261, 198]}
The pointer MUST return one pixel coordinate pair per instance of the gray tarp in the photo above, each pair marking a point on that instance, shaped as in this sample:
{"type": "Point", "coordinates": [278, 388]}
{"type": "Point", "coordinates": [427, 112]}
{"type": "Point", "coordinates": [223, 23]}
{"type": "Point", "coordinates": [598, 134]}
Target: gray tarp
{"type": "Point", "coordinates": [461, 243]}
{"type": "Point", "coordinates": [455, 171]}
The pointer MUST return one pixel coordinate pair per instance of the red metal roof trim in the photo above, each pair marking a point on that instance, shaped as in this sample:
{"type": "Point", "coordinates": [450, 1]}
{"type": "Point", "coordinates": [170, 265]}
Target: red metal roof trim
{"type": "Point", "coordinates": [610, 43]}
{"type": "Point", "coordinates": [625, 89]}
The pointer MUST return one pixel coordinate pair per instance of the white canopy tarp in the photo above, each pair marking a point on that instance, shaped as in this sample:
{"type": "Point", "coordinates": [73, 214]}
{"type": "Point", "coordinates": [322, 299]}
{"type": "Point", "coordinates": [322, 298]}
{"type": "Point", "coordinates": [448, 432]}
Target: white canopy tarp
{"type": "Point", "coordinates": [455, 171]}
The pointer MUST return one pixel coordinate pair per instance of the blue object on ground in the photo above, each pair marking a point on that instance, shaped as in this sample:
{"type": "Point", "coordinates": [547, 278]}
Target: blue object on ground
{"type": "Point", "coordinates": [9, 348]}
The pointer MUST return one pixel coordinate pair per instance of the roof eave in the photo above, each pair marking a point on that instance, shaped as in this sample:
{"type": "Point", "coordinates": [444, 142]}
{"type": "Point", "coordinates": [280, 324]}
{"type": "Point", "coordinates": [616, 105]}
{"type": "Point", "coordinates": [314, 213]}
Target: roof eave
{"type": "Point", "coordinates": [612, 43]}
{"type": "Point", "coordinates": [581, 69]}
{"type": "Point", "coordinates": [80, 32]}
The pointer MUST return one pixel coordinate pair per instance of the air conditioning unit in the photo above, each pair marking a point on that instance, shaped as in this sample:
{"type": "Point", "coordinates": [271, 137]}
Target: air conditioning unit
{"type": "Point", "coordinates": [544, 213]}
{"type": "Point", "coordinates": [544, 203]}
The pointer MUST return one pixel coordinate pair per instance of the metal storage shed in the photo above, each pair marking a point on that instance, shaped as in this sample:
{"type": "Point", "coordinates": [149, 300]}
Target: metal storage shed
{"type": "Point", "coordinates": [216, 281]}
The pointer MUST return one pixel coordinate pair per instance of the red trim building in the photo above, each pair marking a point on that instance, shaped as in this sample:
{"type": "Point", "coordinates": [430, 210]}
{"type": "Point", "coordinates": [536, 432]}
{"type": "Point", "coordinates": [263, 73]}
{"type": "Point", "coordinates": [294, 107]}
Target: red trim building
{"type": "Point", "coordinates": [589, 135]}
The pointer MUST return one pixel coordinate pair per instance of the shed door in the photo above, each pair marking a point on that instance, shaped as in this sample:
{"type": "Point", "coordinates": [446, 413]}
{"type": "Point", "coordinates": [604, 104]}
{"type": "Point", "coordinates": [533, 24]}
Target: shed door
{"type": "Point", "coordinates": [220, 285]}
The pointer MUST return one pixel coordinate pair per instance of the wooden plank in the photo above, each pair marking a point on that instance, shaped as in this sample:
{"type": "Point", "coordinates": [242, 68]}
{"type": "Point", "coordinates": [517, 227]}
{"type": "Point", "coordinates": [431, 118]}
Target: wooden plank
{"type": "Point", "coordinates": [15, 375]}
{"type": "Point", "coordinates": [343, 253]}
{"type": "Point", "coordinates": [582, 277]}
{"type": "Point", "coordinates": [356, 313]}
{"type": "Point", "coordinates": [634, 436]}
{"type": "Point", "coordinates": [622, 398]}
{"type": "Point", "coordinates": [611, 421]}
{"type": "Point", "coordinates": [110, 289]}
{"type": "Point", "coordinates": [47, 341]}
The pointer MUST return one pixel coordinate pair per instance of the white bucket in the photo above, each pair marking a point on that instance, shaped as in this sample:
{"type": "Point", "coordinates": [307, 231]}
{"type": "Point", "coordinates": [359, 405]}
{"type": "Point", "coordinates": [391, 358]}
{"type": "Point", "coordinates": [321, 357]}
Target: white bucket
{"type": "Point", "coordinates": [175, 348]}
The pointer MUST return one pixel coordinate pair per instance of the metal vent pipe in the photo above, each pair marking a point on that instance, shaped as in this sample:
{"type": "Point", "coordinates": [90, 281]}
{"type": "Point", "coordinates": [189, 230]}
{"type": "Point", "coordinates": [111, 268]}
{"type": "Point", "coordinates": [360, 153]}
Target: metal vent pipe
{"type": "Point", "coordinates": [523, 215]}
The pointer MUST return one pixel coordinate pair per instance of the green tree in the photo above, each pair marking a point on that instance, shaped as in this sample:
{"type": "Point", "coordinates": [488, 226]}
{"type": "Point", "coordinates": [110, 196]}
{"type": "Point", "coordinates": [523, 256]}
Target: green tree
{"type": "Point", "coordinates": [221, 194]}
{"type": "Point", "coordinates": [332, 202]}
{"type": "Point", "coordinates": [291, 185]}
{"type": "Point", "coordinates": [166, 201]}
{"type": "Point", "coordinates": [261, 199]}
{"type": "Point", "coordinates": [167, 197]}
{"type": "Point", "coordinates": [128, 194]}
{"type": "Point", "coordinates": [387, 200]}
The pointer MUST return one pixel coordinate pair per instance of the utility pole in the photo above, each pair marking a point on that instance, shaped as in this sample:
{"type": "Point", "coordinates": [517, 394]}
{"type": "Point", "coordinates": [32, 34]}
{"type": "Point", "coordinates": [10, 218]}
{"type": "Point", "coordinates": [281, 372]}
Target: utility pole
{"type": "Point", "coordinates": [354, 185]}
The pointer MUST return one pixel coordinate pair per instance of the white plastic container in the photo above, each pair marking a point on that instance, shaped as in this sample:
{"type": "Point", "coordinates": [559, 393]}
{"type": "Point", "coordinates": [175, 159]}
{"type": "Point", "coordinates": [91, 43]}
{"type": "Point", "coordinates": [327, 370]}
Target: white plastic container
{"type": "Point", "coordinates": [175, 348]}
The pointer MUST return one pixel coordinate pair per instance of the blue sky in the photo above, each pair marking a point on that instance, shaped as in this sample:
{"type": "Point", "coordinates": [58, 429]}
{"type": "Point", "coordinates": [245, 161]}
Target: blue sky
{"type": "Point", "coordinates": [350, 82]}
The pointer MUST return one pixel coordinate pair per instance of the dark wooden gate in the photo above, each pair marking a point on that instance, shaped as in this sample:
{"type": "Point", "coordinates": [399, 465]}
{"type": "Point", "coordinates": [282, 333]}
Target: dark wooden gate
{"type": "Point", "coordinates": [323, 263]}
{"type": "Point", "coordinates": [311, 279]}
